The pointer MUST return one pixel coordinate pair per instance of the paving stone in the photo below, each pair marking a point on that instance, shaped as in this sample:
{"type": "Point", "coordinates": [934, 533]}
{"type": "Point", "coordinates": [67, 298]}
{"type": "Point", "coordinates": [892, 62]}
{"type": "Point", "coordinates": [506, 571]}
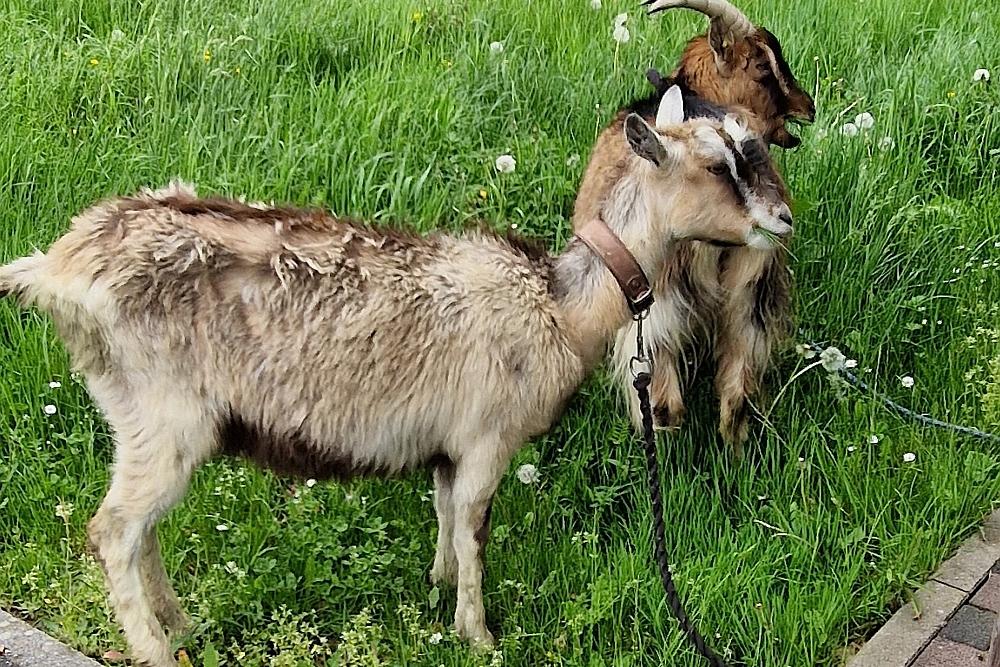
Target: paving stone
{"type": "Point", "coordinates": [971, 626]}
{"type": "Point", "coordinates": [945, 653]}
{"type": "Point", "coordinates": [977, 556]}
{"type": "Point", "coordinates": [28, 647]}
{"type": "Point", "coordinates": [988, 595]}
{"type": "Point", "coordinates": [902, 638]}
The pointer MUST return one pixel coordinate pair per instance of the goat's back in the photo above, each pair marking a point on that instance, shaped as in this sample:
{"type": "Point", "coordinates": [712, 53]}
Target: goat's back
{"type": "Point", "coordinates": [319, 346]}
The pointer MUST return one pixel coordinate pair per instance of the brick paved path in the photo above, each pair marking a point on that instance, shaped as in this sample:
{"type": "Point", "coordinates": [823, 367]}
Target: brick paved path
{"type": "Point", "coordinates": [965, 639]}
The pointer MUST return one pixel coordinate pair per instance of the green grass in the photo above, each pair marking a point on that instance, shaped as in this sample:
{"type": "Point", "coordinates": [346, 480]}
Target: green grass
{"type": "Point", "coordinates": [395, 111]}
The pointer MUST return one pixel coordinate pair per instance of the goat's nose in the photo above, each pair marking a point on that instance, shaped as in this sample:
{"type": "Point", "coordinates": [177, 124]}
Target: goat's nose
{"type": "Point", "coordinates": [786, 217]}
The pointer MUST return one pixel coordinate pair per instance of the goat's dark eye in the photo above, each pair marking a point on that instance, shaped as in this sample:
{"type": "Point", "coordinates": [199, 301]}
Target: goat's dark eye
{"type": "Point", "coordinates": [719, 169]}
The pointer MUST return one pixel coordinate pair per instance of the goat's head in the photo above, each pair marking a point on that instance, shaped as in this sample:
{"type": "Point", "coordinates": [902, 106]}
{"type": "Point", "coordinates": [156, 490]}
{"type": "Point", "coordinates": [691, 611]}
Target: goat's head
{"type": "Point", "coordinates": [738, 63]}
{"type": "Point", "coordinates": [706, 179]}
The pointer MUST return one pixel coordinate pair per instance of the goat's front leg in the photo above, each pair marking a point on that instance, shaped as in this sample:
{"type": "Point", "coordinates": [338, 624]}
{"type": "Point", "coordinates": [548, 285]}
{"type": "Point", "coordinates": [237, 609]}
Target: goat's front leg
{"type": "Point", "coordinates": [754, 318]}
{"type": "Point", "coordinates": [445, 568]}
{"type": "Point", "coordinates": [665, 389]}
{"type": "Point", "coordinates": [476, 478]}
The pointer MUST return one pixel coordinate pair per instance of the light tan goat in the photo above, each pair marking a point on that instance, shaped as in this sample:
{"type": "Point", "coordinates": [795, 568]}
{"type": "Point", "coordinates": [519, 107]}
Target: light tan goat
{"type": "Point", "coordinates": [324, 348]}
{"type": "Point", "coordinates": [730, 303]}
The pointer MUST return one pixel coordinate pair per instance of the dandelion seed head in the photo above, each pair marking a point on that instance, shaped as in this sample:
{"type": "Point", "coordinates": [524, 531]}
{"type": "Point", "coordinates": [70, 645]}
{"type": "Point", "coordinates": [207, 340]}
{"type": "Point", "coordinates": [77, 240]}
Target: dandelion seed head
{"type": "Point", "coordinates": [906, 381]}
{"type": "Point", "coordinates": [49, 409]}
{"type": "Point", "coordinates": [849, 130]}
{"type": "Point", "coordinates": [595, 4]}
{"type": "Point", "coordinates": [222, 528]}
{"type": "Point", "coordinates": [851, 448]}
{"type": "Point", "coordinates": [833, 359]}
{"type": "Point", "coordinates": [621, 34]}
{"type": "Point", "coordinates": [528, 474]}
{"type": "Point", "coordinates": [436, 638]}
{"type": "Point", "coordinates": [864, 121]}
{"type": "Point", "coordinates": [310, 482]}
{"type": "Point", "coordinates": [873, 440]}
{"type": "Point", "coordinates": [496, 48]}
{"type": "Point", "coordinates": [886, 143]}
{"type": "Point", "coordinates": [909, 457]}
{"type": "Point", "coordinates": [55, 384]}
{"type": "Point", "coordinates": [620, 20]}
{"type": "Point", "coordinates": [506, 164]}
{"type": "Point", "coordinates": [981, 75]}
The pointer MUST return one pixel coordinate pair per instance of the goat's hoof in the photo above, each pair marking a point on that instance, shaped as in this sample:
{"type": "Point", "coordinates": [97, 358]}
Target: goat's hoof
{"type": "Point", "coordinates": [666, 418]}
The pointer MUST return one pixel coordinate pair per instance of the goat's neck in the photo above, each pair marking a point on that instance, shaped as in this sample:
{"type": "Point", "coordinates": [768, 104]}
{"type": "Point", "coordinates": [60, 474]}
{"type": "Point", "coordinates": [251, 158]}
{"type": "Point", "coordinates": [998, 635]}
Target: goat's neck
{"type": "Point", "coordinates": [593, 305]}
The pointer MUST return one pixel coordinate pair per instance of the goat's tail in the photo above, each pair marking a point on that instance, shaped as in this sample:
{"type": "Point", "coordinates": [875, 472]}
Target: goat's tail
{"type": "Point", "coordinates": [24, 278]}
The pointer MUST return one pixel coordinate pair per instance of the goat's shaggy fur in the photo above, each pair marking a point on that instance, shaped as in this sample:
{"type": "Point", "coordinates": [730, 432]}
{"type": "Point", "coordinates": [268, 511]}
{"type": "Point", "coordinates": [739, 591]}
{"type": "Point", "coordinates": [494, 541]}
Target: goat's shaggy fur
{"type": "Point", "coordinates": [322, 348]}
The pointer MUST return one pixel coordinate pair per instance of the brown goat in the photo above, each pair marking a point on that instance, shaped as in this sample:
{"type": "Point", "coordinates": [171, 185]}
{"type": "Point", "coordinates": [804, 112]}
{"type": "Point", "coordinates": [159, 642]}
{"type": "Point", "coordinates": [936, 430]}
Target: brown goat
{"type": "Point", "coordinates": [735, 301]}
{"type": "Point", "coordinates": [326, 348]}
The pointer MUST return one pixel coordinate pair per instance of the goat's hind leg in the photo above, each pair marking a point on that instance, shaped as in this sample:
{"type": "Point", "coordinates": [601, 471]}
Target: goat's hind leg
{"type": "Point", "coordinates": [445, 569]}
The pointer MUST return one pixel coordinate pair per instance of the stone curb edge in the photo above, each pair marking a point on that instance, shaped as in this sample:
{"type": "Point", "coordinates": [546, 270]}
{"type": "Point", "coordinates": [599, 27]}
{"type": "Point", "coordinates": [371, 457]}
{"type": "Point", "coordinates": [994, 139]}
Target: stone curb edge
{"type": "Point", "coordinates": [907, 633]}
{"type": "Point", "coordinates": [24, 646]}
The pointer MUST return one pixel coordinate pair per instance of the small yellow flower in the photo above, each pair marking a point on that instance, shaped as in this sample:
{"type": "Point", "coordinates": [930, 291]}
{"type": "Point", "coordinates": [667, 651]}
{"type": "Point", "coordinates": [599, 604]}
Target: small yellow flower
{"type": "Point", "coordinates": [951, 93]}
{"type": "Point", "coordinates": [95, 62]}
{"type": "Point", "coordinates": [237, 70]}
{"type": "Point", "coordinates": [446, 63]}
{"type": "Point", "coordinates": [417, 17]}
{"type": "Point", "coordinates": [207, 55]}
{"type": "Point", "coordinates": [483, 194]}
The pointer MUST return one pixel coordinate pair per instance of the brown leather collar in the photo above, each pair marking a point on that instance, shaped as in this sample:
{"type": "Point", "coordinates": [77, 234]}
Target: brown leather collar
{"type": "Point", "coordinates": [631, 278]}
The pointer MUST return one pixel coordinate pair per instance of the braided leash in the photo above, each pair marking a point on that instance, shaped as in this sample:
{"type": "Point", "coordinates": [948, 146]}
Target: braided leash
{"type": "Point", "coordinates": [641, 383]}
{"type": "Point", "coordinates": [858, 383]}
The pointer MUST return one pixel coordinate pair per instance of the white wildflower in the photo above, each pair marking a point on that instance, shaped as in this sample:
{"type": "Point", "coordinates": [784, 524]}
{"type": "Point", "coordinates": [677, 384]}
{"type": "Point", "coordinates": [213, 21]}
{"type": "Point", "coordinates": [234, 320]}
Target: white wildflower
{"type": "Point", "coordinates": [886, 143]}
{"type": "Point", "coordinates": [851, 448]}
{"type": "Point", "coordinates": [496, 48]}
{"type": "Point", "coordinates": [851, 363]}
{"type": "Point", "coordinates": [864, 121]}
{"type": "Point", "coordinates": [64, 511]}
{"type": "Point", "coordinates": [437, 636]}
{"type": "Point", "coordinates": [873, 440]}
{"type": "Point", "coordinates": [310, 482]}
{"type": "Point", "coordinates": [621, 34]}
{"type": "Point", "coordinates": [55, 384]}
{"type": "Point", "coordinates": [906, 381]}
{"type": "Point", "coordinates": [621, 20]}
{"type": "Point", "coordinates": [909, 457]}
{"type": "Point", "coordinates": [222, 528]}
{"type": "Point", "coordinates": [981, 75]}
{"type": "Point", "coordinates": [117, 35]}
{"type": "Point", "coordinates": [595, 4]}
{"type": "Point", "coordinates": [506, 164]}
{"type": "Point", "coordinates": [832, 359]}
{"type": "Point", "coordinates": [849, 130]}
{"type": "Point", "coordinates": [49, 409]}
{"type": "Point", "coordinates": [528, 474]}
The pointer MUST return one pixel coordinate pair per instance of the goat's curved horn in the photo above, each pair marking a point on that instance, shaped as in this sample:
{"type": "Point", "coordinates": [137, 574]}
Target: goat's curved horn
{"type": "Point", "coordinates": [733, 20]}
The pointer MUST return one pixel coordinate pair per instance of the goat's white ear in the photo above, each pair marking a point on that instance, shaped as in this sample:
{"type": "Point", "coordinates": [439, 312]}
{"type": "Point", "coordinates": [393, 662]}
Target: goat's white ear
{"type": "Point", "coordinates": [734, 128]}
{"type": "Point", "coordinates": [644, 140]}
{"type": "Point", "coordinates": [671, 111]}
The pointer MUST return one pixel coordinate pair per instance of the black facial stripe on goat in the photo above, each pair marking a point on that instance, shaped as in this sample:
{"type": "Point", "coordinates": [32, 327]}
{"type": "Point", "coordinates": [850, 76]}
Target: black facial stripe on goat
{"type": "Point", "coordinates": [783, 69]}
